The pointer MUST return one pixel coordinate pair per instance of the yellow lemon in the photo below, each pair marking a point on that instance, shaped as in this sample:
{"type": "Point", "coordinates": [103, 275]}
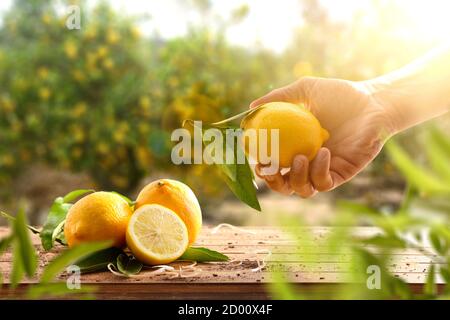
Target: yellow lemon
{"type": "Point", "coordinates": [156, 235]}
{"type": "Point", "coordinates": [299, 131]}
{"type": "Point", "coordinates": [98, 216]}
{"type": "Point", "coordinates": [179, 198]}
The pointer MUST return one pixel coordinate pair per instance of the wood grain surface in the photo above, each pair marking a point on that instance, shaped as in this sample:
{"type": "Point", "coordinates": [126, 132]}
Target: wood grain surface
{"type": "Point", "coordinates": [309, 263]}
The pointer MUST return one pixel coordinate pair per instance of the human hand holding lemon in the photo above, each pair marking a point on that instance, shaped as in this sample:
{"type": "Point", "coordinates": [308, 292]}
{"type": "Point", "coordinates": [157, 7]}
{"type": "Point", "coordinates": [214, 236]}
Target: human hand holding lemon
{"type": "Point", "coordinates": [357, 124]}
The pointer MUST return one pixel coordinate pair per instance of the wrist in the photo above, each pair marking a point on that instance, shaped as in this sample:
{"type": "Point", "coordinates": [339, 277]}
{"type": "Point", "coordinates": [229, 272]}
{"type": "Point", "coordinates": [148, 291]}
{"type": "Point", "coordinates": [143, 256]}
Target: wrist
{"type": "Point", "coordinates": [383, 98]}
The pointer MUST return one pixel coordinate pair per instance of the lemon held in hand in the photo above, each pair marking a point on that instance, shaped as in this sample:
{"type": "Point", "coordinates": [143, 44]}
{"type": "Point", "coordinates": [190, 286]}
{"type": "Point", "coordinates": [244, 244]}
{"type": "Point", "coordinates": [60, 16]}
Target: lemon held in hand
{"type": "Point", "coordinates": [179, 198]}
{"type": "Point", "coordinates": [299, 131]}
{"type": "Point", "coordinates": [156, 235]}
{"type": "Point", "coordinates": [98, 216]}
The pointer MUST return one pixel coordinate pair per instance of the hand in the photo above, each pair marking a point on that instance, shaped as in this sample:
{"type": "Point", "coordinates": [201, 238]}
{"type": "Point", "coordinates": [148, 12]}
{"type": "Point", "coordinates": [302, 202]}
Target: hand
{"type": "Point", "coordinates": [358, 124]}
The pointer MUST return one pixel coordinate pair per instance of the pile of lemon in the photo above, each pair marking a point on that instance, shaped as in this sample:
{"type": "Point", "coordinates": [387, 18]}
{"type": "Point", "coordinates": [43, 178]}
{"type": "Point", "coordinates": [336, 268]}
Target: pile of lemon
{"type": "Point", "coordinates": [165, 219]}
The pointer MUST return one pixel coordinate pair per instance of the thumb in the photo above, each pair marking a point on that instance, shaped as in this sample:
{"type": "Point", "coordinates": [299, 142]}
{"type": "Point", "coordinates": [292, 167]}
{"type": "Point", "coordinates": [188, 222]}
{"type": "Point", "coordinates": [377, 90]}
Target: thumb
{"type": "Point", "coordinates": [294, 93]}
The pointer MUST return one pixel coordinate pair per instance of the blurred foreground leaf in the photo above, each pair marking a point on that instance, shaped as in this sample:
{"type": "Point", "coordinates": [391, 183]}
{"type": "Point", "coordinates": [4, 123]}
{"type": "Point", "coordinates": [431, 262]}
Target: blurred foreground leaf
{"type": "Point", "coordinates": [70, 256]}
{"type": "Point", "coordinates": [12, 219]}
{"type": "Point", "coordinates": [430, 288]}
{"type": "Point", "coordinates": [60, 289]}
{"type": "Point", "coordinates": [17, 271]}
{"type": "Point", "coordinates": [5, 243]}
{"type": "Point", "coordinates": [417, 176]}
{"type": "Point", "coordinates": [439, 157]}
{"type": "Point", "coordinates": [24, 245]}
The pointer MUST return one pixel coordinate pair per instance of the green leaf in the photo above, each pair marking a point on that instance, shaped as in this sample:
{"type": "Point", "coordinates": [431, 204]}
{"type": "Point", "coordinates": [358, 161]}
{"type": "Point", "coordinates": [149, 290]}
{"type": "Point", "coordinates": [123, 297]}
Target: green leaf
{"type": "Point", "coordinates": [237, 116]}
{"type": "Point", "coordinates": [128, 200]}
{"type": "Point", "coordinates": [26, 248]}
{"type": "Point", "coordinates": [244, 186]}
{"type": "Point", "coordinates": [5, 243]}
{"type": "Point", "coordinates": [445, 273]}
{"type": "Point", "coordinates": [68, 257]}
{"type": "Point", "coordinates": [282, 289]}
{"type": "Point", "coordinates": [58, 232]}
{"type": "Point", "coordinates": [12, 219]}
{"type": "Point", "coordinates": [203, 255]}
{"type": "Point", "coordinates": [355, 208]}
{"type": "Point", "coordinates": [238, 177]}
{"type": "Point", "coordinates": [441, 139]}
{"type": "Point", "coordinates": [437, 242]}
{"type": "Point", "coordinates": [430, 288]}
{"type": "Point", "coordinates": [385, 241]}
{"type": "Point", "coordinates": [128, 265]}
{"type": "Point", "coordinates": [438, 157]}
{"type": "Point", "coordinates": [400, 288]}
{"type": "Point", "coordinates": [228, 170]}
{"type": "Point", "coordinates": [417, 176]}
{"type": "Point", "coordinates": [17, 272]}
{"type": "Point", "coordinates": [73, 195]}
{"type": "Point", "coordinates": [60, 289]}
{"type": "Point", "coordinates": [98, 261]}
{"type": "Point", "coordinates": [56, 216]}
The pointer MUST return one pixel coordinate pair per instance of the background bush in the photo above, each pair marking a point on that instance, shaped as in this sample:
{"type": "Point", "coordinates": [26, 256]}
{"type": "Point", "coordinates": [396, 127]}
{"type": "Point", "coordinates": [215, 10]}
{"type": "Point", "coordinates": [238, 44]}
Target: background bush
{"type": "Point", "coordinates": [104, 100]}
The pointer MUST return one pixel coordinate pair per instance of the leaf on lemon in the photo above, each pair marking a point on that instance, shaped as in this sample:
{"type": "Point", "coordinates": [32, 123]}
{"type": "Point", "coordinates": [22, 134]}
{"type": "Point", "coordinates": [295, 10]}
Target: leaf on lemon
{"type": "Point", "coordinates": [98, 261]}
{"type": "Point", "coordinates": [56, 216]}
{"type": "Point", "coordinates": [58, 233]}
{"type": "Point", "coordinates": [244, 186]}
{"type": "Point", "coordinates": [70, 256]}
{"type": "Point", "coordinates": [203, 255]}
{"type": "Point", "coordinates": [128, 265]}
{"type": "Point", "coordinates": [128, 200]}
{"type": "Point", "coordinates": [73, 195]}
{"type": "Point", "coordinates": [238, 176]}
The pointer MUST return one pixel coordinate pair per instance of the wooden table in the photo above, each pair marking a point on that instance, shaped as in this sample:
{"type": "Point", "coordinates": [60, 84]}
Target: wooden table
{"type": "Point", "coordinates": [237, 280]}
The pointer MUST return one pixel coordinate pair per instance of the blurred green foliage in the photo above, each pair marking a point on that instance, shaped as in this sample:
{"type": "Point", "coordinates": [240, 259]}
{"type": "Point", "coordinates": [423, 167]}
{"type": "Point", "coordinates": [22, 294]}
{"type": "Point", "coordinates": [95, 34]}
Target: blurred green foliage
{"type": "Point", "coordinates": [422, 223]}
{"type": "Point", "coordinates": [104, 99]}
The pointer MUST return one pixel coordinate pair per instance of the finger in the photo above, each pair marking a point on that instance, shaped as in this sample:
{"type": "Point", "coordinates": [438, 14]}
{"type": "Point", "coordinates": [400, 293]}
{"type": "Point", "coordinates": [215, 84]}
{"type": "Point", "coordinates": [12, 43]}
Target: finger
{"type": "Point", "coordinates": [276, 182]}
{"type": "Point", "coordinates": [293, 92]}
{"type": "Point", "coordinates": [298, 177]}
{"type": "Point", "coordinates": [341, 170]}
{"type": "Point", "coordinates": [320, 171]}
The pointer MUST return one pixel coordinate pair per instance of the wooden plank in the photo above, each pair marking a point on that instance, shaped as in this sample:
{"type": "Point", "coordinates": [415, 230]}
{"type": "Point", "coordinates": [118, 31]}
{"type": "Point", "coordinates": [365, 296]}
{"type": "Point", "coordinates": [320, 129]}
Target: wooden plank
{"type": "Point", "coordinates": [304, 258]}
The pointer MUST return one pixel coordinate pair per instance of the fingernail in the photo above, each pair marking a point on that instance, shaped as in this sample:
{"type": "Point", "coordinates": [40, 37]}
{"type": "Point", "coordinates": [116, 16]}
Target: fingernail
{"type": "Point", "coordinates": [270, 178]}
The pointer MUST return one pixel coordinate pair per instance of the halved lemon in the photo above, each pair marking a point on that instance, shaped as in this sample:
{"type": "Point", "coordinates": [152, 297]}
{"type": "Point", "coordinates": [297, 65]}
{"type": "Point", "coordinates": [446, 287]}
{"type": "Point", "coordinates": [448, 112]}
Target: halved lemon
{"type": "Point", "coordinates": [156, 235]}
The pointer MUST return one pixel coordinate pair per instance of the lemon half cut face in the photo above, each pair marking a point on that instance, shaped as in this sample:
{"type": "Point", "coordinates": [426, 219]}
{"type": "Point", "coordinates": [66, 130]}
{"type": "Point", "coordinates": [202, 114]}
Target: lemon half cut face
{"type": "Point", "coordinates": [156, 235]}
